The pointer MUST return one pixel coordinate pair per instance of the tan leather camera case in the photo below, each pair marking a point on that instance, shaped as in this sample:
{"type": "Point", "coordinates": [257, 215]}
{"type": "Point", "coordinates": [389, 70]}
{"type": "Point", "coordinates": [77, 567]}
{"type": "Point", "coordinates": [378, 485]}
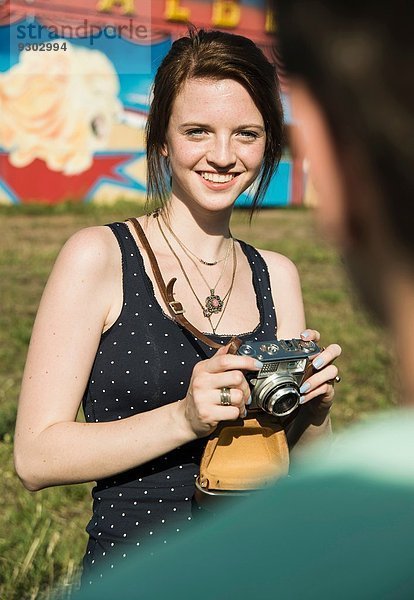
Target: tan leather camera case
{"type": "Point", "coordinates": [246, 454]}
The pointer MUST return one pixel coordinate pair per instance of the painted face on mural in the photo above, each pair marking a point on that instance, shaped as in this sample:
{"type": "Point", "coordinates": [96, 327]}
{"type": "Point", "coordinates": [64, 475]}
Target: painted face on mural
{"type": "Point", "coordinates": [215, 143]}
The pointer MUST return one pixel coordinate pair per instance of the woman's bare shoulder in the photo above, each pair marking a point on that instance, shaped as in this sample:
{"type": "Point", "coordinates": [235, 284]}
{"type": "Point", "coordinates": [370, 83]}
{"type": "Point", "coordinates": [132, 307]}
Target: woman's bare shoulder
{"type": "Point", "coordinates": [279, 265]}
{"type": "Point", "coordinates": [93, 250]}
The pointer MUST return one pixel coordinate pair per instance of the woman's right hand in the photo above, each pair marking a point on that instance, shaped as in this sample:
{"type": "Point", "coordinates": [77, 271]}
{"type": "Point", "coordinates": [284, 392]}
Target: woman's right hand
{"type": "Point", "coordinates": [203, 409]}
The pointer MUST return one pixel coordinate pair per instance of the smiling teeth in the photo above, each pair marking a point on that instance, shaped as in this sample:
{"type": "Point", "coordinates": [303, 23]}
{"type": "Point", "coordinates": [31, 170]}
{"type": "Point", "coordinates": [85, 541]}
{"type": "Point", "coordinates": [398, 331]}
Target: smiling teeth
{"type": "Point", "coordinates": [216, 178]}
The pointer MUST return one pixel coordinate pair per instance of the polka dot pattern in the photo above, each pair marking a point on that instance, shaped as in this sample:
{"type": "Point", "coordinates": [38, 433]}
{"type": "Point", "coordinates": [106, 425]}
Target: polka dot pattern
{"type": "Point", "coordinates": [144, 361]}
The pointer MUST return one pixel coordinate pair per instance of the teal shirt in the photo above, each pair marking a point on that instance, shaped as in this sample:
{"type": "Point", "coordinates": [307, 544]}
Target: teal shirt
{"type": "Point", "coordinates": [341, 527]}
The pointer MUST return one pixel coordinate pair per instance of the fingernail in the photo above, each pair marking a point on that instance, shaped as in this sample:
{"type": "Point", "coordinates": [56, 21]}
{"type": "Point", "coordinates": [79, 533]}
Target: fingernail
{"type": "Point", "coordinates": [318, 362]}
{"type": "Point", "coordinates": [258, 364]}
{"type": "Point", "coordinates": [305, 387]}
{"type": "Point", "coordinates": [302, 400]}
{"type": "Point", "coordinates": [249, 401]}
{"type": "Point", "coordinates": [305, 334]}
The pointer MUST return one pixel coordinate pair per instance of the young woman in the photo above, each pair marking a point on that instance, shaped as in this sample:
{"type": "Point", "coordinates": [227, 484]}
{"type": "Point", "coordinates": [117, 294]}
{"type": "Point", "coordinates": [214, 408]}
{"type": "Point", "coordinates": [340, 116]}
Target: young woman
{"type": "Point", "coordinates": [151, 391]}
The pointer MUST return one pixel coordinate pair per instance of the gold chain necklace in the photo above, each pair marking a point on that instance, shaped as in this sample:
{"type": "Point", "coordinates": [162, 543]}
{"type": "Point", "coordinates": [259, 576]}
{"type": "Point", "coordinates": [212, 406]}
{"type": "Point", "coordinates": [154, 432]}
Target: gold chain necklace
{"type": "Point", "coordinates": [189, 252]}
{"type": "Point", "coordinates": [225, 298]}
{"type": "Point", "coordinates": [213, 303]}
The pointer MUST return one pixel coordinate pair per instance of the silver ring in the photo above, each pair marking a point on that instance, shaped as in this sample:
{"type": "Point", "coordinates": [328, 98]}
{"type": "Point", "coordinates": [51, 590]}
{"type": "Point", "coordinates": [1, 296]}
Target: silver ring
{"type": "Point", "coordinates": [225, 396]}
{"type": "Point", "coordinates": [337, 379]}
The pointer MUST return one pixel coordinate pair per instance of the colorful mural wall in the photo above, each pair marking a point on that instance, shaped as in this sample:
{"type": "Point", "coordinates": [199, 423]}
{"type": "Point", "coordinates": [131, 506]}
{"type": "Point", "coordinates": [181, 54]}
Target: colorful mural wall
{"type": "Point", "coordinates": [75, 84]}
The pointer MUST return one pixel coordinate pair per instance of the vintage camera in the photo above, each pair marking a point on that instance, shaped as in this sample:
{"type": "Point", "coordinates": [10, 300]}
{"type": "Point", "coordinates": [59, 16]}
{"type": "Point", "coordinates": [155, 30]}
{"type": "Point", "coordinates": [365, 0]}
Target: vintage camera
{"type": "Point", "coordinates": [286, 365]}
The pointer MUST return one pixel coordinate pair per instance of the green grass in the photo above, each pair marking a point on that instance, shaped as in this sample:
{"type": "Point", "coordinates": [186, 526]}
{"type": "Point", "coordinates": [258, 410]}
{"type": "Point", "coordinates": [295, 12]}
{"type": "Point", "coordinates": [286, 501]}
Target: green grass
{"type": "Point", "coordinates": [42, 536]}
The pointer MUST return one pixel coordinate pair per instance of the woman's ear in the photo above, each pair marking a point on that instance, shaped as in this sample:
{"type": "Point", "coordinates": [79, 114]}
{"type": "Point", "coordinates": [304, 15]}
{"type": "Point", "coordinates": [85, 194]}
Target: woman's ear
{"type": "Point", "coordinates": [312, 140]}
{"type": "Point", "coordinates": [164, 150]}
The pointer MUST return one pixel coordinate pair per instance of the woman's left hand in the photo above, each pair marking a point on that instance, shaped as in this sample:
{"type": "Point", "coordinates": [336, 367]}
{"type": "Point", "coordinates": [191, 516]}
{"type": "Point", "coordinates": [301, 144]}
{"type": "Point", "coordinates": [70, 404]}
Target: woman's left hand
{"type": "Point", "coordinates": [321, 384]}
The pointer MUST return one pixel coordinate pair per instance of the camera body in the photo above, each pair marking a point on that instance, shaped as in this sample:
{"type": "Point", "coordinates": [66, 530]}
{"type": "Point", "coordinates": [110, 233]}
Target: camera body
{"type": "Point", "coordinates": [286, 365]}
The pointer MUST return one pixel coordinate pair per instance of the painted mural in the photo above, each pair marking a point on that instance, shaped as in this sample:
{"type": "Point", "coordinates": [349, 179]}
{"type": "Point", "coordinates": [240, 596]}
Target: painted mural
{"type": "Point", "coordinates": [75, 85]}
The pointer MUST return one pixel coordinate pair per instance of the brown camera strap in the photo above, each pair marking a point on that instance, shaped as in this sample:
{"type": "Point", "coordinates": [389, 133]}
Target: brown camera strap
{"type": "Point", "coordinates": [167, 293]}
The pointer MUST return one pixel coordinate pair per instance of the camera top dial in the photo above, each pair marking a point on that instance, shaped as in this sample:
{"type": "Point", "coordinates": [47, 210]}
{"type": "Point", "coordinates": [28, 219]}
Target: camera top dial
{"type": "Point", "coordinates": [279, 349]}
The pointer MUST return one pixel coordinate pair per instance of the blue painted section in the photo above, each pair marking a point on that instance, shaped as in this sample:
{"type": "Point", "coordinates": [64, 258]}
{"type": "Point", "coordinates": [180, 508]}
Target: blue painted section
{"type": "Point", "coordinates": [126, 183]}
{"type": "Point", "coordinates": [279, 191]}
{"type": "Point", "coordinates": [9, 192]}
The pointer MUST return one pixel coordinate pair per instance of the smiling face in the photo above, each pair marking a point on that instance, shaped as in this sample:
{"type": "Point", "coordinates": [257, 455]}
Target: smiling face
{"type": "Point", "coordinates": [215, 143]}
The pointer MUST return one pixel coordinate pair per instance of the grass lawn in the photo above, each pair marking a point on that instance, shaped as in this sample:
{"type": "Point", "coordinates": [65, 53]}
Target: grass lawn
{"type": "Point", "coordinates": [42, 535]}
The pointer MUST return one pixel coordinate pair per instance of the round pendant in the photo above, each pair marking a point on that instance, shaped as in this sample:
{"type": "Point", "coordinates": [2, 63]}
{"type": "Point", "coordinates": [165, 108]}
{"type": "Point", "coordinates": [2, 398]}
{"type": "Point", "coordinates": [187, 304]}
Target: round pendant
{"type": "Point", "coordinates": [214, 304]}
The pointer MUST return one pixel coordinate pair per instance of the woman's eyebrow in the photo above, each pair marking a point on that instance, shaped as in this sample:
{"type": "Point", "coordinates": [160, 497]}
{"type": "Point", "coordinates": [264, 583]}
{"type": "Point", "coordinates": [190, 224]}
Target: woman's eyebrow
{"type": "Point", "coordinates": [251, 126]}
{"type": "Point", "coordinates": [195, 124]}
{"type": "Point", "coordinates": [206, 126]}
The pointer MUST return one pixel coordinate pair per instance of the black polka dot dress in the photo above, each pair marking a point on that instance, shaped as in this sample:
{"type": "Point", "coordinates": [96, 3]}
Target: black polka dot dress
{"type": "Point", "coordinates": [144, 361]}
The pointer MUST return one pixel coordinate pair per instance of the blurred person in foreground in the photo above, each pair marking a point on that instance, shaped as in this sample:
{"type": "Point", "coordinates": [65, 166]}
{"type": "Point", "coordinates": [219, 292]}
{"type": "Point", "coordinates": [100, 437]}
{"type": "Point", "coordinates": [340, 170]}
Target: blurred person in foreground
{"type": "Point", "coordinates": [343, 525]}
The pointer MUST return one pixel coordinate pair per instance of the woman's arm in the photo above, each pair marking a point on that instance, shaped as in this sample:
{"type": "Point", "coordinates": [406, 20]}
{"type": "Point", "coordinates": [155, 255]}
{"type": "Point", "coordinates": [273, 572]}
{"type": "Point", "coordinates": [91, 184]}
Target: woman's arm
{"type": "Point", "coordinates": [82, 298]}
{"type": "Point", "coordinates": [287, 295]}
{"type": "Point", "coordinates": [312, 419]}
{"type": "Point", "coordinates": [79, 302]}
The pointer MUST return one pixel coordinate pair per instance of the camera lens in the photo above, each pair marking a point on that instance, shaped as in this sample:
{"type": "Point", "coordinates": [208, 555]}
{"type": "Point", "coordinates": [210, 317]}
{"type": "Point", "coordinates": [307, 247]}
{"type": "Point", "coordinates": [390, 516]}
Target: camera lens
{"type": "Point", "coordinates": [278, 395]}
{"type": "Point", "coordinates": [282, 401]}
{"type": "Point", "coordinates": [286, 404]}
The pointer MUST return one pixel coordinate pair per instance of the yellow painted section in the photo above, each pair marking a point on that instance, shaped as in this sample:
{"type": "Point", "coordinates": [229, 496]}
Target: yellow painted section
{"type": "Point", "coordinates": [127, 6]}
{"type": "Point", "coordinates": [226, 13]}
{"type": "Point", "coordinates": [175, 12]}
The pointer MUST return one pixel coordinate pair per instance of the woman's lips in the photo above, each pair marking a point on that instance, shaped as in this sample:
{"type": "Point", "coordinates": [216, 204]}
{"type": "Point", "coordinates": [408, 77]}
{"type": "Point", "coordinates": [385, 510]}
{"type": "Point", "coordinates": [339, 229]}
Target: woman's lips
{"type": "Point", "coordinates": [208, 180]}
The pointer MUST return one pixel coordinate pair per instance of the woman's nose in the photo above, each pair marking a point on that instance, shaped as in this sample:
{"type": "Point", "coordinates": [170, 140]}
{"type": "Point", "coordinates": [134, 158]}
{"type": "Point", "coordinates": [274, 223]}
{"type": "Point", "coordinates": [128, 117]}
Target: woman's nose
{"type": "Point", "coordinates": [221, 152]}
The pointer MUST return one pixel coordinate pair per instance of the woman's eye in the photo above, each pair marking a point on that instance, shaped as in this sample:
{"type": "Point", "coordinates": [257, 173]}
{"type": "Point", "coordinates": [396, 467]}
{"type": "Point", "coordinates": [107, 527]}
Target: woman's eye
{"type": "Point", "coordinates": [249, 134]}
{"type": "Point", "coordinates": [195, 132]}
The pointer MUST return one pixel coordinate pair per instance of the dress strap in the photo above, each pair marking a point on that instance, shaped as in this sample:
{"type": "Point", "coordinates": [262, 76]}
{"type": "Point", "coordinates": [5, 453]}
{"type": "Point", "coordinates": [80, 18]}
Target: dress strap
{"type": "Point", "coordinates": [262, 287]}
